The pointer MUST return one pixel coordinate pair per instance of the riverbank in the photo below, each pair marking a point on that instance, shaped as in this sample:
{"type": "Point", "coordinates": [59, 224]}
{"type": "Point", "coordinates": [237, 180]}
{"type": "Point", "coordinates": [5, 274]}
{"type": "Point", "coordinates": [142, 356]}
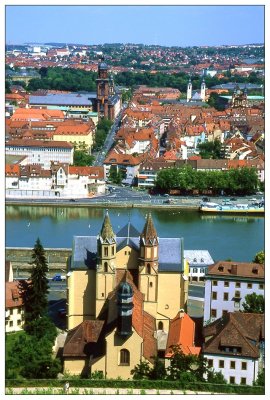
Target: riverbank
{"type": "Point", "coordinates": [101, 204]}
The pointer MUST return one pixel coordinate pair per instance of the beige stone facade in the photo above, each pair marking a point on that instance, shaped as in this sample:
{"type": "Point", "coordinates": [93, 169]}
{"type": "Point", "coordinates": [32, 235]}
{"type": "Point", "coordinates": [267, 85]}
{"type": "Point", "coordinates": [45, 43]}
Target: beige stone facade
{"type": "Point", "coordinates": [156, 271]}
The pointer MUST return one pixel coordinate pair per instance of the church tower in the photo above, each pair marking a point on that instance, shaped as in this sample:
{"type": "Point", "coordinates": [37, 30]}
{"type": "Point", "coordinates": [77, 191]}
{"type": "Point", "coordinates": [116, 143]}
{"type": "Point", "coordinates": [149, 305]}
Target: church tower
{"type": "Point", "coordinates": [102, 83]}
{"type": "Point", "coordinates": [106, 251]}
{"type": "Point", "coordinates": [148, 264]}
{"type": "Point", "coordinates": [189, 90]}
{"type": "Point", "coordinates": [203, 89]}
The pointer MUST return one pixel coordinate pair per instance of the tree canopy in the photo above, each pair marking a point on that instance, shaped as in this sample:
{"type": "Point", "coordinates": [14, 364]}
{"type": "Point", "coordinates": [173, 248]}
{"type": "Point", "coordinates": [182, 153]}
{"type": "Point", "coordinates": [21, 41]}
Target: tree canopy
{"type": "Point", "coordinates": [36, 302]}
{"type": "Point", "coordinates": [254, 303]}
{"type": "Point", "coordinates": [234, 181]}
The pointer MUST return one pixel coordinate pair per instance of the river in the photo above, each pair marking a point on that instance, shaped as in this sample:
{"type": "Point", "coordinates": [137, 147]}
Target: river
{"type": "Point", "coordinates": [225, 237]}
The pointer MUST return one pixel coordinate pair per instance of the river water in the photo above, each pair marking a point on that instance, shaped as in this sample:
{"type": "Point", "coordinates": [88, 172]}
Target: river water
{"type": "Point", "coordinates": [225, 237]}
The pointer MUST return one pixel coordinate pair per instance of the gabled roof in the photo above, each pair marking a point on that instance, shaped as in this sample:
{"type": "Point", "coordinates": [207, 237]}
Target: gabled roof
{"type": "Point", "coordinates": [182, 333]}
{"type": "Point", "coordinates": [14, 296]}
{"type": "Point", "coordinates": [241, 331]}
{"type": "Point", "coordinates": [236, 269]}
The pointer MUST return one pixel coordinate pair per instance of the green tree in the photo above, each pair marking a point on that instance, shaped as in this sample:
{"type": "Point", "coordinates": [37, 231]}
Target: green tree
{"type": "Point", "coordinates": [158, 371]}
{"type": "Point", "coordinates": [141, 370]}
{"type": "Point", "coordinates": [254, 303]}
{"type": "Point", "coordinates": [259, 257]}
{"type": "Point", "coordinates": [210, 149]}
{"type": "Point", "coordinates": [82, 158]}
{"type": "Point", "coordinates": [36, 302]}
{"type": "Point", "coordinates": [216, 377]}
{"type": "Point", "coordinates": [260, 381]}
{"type": "Point", "coordinates": [191, 367]}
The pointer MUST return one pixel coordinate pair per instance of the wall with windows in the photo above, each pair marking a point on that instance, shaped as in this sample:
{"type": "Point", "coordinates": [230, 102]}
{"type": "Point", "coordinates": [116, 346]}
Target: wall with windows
{"type": "Point", "coordinates": [238, 370]}
{"type": "Point", "coordinates": [123, 353]}
{"type": "Point", "coordinates": [14, 319]}
{"type": "Point", "coordinates": [223, 295]}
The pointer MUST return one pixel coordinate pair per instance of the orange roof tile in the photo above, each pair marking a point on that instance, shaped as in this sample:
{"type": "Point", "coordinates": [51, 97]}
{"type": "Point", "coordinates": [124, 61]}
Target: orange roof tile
{"type": "Point", "coordinates": [182, 333]}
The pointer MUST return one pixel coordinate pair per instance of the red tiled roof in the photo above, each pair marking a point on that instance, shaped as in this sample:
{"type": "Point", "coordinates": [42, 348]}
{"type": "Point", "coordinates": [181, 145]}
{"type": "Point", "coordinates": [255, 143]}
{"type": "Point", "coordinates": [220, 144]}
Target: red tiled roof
{"type": "Point", "coordinates": [182, 333]}
{"type": "Point", "coordinates": [38, 143]}
{"type": "Point", "coordinates": [13, 295]}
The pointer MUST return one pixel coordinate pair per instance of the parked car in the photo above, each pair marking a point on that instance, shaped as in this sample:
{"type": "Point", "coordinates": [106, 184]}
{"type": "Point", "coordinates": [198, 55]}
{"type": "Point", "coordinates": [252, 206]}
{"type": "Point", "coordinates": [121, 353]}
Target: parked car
{"type": "Point", "coordinates": [205, 199]}
{"type": "Point", "coordinates": [62, 312]}
{"type": "Point", "coordinates": [58, 278]}
{"type": "Point", "coordinates": [233, 199]}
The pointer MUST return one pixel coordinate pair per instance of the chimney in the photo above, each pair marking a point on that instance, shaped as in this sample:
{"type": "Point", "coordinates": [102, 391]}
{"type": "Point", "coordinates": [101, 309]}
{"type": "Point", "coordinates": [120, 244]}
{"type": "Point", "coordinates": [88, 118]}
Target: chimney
{"type": "Point", "coordinates": [234, 269]}
{"type": "Point", "coordinates": [181, 313]}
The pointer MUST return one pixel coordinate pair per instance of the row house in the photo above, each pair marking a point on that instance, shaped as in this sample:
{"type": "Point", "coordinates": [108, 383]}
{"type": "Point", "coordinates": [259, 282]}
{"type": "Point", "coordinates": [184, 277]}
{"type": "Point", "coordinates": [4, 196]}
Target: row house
{"type": "Point", "coordinates": [127, 163]}
{"type": "Point", "coordinates": [137, 140]}
{"type": "Point", "coordinates": [81, 135]}
{"type": "Point", "coordinates": [141, 119]}
{"type": "Point", "coordinates": [234, 346]}
{"type": "Point", "coordinates": [41, 152]}
{"type": "Point", "coordinates": [227, 284]}
{"type": "Point", "coordinates": [60, 180]}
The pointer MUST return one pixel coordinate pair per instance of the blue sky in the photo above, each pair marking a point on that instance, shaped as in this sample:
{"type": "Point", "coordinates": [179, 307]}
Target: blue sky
{"type": "Point", "coordinates": [164, 25]}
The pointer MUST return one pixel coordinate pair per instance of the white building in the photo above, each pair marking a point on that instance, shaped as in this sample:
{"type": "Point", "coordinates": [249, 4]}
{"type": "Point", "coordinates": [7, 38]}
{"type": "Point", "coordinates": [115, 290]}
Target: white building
{"type": "Point", "coordinates": [234, 346]}
{"type": "Point", "coordinates": [199, 261]}
{"type": "Point", "coordinates": [227, 284]}
{"type": "Point", "coordinates": [61, 180]}
{"type": "Point", "coordinates": [41, 152]}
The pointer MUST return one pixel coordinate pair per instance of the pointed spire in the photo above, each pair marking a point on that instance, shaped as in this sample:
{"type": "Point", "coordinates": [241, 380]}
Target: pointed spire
{"type": "Point", "coordinates": [107, 232]}
{"type": "Point", "coordinates": [149, 233]}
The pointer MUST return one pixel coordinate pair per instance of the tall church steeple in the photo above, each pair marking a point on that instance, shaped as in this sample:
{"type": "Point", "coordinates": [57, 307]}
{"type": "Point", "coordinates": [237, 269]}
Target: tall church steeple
{"type": "Point", "coordinates": [102, 90]}
{"type": "Point", "coordinates": [148, 262]}
{"type": "Point", "coordinates": [203, 89]}
{"type": "Point", "coordinates": [107, 234]}
{"type": "Point", "coordinates": [189, 90]}
{"type": "Point", "coordinates": [106, 251]}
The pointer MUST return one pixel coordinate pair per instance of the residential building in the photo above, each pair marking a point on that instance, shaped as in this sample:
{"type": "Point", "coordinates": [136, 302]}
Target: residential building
{"type": "Point", "coordinates": [199, 261]}
{"type": "Point", "coordinates": [226, 285]}
{"type": "Point", "coordinates": [134, 272]}
{"type": "Point", "coordinates": [41, 152]}
{"type": "Point", "coordinates": [60, 180]}
{"type": "Point", "coordinates": [80, 136]}
{"type": "Point", "coordinates": [14, 316]}
{"type": "Point", "coordinates": [234, 346]}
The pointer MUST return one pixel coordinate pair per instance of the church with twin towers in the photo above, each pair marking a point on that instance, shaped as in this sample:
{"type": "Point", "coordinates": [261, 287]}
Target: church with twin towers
{"type": "Point", "coordinates": [123, 290]}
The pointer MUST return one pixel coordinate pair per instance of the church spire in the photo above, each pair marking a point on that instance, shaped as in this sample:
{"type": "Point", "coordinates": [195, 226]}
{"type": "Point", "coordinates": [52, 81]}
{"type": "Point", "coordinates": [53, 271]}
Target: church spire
{"type": "Point", "coordinates": [149, 233]}
{"type": "Point", "coordinates": [107, 233]}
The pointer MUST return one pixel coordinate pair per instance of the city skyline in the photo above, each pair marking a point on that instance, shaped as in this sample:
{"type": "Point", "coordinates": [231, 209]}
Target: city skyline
{"type": "Point", "coordinates": [146, 24]}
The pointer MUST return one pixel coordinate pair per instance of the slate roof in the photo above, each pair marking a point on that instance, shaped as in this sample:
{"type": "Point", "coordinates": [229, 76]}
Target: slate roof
{"type": "Point", "coordinates": [67, 99]}
{"type": "Point", "coordinates": [198, 257]}
{"type": "Point", "coordinates": [84, 255]}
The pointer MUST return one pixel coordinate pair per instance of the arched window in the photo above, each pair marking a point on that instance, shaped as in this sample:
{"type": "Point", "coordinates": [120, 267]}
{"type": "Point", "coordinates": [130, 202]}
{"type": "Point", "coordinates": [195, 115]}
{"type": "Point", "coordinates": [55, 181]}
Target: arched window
{"type": "Point", "coordinates": [148, 269]}
{"type": "Point", "coordinates": [160, 326]}
{"type": "Point", "coordinates": [124, 357]}
{"type": "Point", "coordinates": [106, 267]}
